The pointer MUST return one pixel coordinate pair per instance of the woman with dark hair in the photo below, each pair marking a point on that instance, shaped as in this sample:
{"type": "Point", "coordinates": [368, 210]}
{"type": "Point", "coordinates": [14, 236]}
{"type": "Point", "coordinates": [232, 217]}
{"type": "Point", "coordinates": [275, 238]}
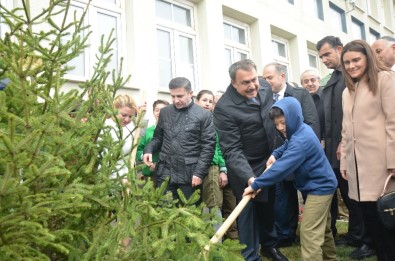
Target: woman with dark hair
{"type": "Point", "coordinates": [368, 137]}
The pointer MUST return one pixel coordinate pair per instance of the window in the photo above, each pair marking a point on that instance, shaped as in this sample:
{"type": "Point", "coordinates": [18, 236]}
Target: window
{"type": "Point", "coordinates": [79, 63]}
{"type": "Point", "coordinates": [358, 29]}
{"type": "Point", "coordinates": [373, 35]}
{"type": "Point", "coordinates": [388, 13]}
{"type": "Point", "coordinates": [176, 41]}
{"type": "Point", "coordinates": [313, 60]}
{"type": "Point", "coordinates": [236, 43]}
{"type": "Point", "coordinates": [373, 9]}
{"type": "Point", "coordinates": [280, 50]}
{"type": "Point", "coordinates": [104, 17]}
{"type": "Point", "coordinates": [338, 18]}
{"type": "Point", "coordinates": [108, 23]}
{"type": "Point", "coordinates": [314, 7]}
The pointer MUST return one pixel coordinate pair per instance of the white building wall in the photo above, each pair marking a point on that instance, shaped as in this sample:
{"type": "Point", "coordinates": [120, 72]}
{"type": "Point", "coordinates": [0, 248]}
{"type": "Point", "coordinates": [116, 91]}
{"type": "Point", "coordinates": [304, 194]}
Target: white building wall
{"type": "Point", "coordinates": [294, 24]}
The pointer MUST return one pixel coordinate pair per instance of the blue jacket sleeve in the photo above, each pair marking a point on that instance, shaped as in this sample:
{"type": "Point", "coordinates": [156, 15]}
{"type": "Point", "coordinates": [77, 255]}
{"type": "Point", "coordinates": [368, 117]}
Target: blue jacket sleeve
{"type": "Point", "coordinates": [277, 153]}
{"type": "Point", "coordinates": [291, 159]}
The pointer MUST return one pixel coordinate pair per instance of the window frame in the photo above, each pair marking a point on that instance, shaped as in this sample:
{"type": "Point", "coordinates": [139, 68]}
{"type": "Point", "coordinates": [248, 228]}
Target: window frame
{"type": "Point", "coordinates": [237, 47]}
{"type": "Point", "coordinates": [176, 30]}
{"type": "Point", "coordinates": [361, 26]}
{"type": "Point", "coordinates": [95, 7]}
{"type": "Point", "coordinates": [319, 10]}
{"type": "Point", "coordinates": [315, 54]}
{"type": "Point", "coordinates": [342, 14]}
{"type": "Point", "coordinates": [375, 33]}
{"type": "Point", "coordinates": [286, 61]}
{"type": "Point", "coordinates": [86, 51]}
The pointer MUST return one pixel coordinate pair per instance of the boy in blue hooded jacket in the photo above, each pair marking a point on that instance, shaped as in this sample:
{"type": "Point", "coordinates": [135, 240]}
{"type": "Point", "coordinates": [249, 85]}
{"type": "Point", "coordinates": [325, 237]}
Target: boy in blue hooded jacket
{"type": "Point", "coordinates": [302, 155]}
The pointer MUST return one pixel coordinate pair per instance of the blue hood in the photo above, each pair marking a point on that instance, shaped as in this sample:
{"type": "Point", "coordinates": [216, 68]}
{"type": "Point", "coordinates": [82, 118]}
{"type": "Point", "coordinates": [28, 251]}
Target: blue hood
{"type": "Point", "coordinates": [293, 114]}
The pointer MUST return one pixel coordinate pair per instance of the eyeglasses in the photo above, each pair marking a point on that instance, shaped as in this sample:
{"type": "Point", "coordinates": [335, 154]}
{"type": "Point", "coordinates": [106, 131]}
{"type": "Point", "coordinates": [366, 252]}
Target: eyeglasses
{"type": "Point", "coordinates": [312, 80]}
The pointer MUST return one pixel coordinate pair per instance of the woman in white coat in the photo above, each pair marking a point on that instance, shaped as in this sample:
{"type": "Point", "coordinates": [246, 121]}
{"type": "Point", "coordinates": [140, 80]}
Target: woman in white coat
{"type": "Point", "coordinates": [126, 110]}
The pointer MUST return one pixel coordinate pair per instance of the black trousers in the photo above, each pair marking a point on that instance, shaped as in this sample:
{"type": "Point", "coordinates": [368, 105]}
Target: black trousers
{"type": "Point", "coordinates": [186, 189]}
{"type": "Point", "coordinates": [383, 239]}
{"type": "Point", "coordinates": [286, 209]}
{"type": "Point", "coordinates": [356, 228]}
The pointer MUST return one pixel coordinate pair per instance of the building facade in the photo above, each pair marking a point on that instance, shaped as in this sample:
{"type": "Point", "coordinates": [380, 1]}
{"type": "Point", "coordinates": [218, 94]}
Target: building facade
{"type": "Point", "coordinates": [199, 39]}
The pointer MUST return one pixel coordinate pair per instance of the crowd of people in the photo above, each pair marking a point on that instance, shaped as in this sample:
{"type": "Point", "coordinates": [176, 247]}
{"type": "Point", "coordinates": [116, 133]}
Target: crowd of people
{"type": "Point", "coordinates": [265, 137]}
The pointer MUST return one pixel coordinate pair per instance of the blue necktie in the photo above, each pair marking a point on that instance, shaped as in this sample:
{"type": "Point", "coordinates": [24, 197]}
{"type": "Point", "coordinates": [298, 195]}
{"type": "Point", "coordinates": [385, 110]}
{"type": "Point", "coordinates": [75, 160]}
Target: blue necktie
{"type": "Point", "coordinates": [254, 100]}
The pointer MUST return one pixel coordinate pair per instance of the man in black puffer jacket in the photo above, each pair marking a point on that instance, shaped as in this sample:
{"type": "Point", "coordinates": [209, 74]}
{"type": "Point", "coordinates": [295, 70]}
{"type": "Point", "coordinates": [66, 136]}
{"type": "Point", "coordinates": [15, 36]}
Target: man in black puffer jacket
{"type": "Point", "coordinates": [185, 137]}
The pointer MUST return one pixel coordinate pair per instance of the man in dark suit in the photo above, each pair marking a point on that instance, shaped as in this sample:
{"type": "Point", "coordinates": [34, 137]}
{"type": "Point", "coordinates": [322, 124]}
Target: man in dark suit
{"type": "Point", "coordinates": [286, 207]}
{"type": "Point", "coordinates": [244, 129]}
{"type": "Point", "coordinates": [329, 49]}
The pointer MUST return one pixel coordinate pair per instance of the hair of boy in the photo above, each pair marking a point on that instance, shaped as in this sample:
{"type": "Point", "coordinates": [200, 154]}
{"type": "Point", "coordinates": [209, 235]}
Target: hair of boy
{"type": "Point", "coordinates": [275, 112]}
{"type": "Point", "coordinates": [159, 102]}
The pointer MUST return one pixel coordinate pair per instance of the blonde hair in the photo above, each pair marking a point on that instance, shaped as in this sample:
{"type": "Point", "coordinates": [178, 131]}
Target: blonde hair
{"type": "Point", "coordinates": [124, 100]}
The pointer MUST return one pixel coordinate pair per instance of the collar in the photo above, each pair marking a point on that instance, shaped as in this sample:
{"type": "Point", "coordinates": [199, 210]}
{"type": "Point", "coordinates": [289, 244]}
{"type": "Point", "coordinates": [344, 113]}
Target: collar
{"type": "Point", "coordinates": [281, 93]}
{"type": "Point", "coordinates": [186, 107]}
{"type": "Point", "coordinates": [335, 77]}
{"type": "Point", "coordinates": [237, 98]}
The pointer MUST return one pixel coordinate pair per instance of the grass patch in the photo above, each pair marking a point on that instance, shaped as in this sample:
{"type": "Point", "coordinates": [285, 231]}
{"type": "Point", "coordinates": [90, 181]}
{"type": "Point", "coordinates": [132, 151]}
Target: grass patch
{"type": "Point", "coordinates": [293, 253]}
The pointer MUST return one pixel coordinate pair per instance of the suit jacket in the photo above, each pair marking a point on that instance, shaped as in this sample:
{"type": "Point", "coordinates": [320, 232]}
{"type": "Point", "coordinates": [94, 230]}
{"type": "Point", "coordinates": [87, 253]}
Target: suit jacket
{"type": "Point", "coordinates": [309, 110]}
{"type": "Point", "coordinates": [244, 131]}
{"type": "Point", "coordinates": [332, 98]}
{"type": "Point", "coordinates": [319, 105]}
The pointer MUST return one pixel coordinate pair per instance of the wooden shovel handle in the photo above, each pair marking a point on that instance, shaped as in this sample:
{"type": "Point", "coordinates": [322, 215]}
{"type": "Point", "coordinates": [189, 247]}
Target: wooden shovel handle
{"type": "Point", "coordinates": [229, 221]}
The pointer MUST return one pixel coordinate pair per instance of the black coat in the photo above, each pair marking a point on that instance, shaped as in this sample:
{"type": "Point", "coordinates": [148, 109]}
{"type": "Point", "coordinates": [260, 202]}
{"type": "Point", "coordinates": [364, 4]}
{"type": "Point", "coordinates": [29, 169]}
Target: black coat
{"type": "Point", "coordinates": [186, 141]}
{"type": "Point", "coordinates": [309, 110]}
{"type": "Point", "coordinates": [319, 105]}
{"type": "Point", "coordinates": [244, 130]}
{"type": "Point", "coordinates": [332, 97]}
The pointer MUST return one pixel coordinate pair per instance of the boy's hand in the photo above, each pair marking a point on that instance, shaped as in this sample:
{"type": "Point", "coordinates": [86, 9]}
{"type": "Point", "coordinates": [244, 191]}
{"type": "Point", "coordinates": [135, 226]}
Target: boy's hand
{"type": "Point", "coordinates": [250, 181]}
{"type": "Point", "coordinates": [249, 190]}
{"type": "Point", "coordinates": [270, 161]}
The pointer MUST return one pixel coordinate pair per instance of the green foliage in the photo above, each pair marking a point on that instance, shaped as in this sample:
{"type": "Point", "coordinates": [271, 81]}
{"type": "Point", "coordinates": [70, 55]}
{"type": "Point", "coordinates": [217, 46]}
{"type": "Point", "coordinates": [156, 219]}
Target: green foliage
{"type": "Point", "coordinates": [57, 201]}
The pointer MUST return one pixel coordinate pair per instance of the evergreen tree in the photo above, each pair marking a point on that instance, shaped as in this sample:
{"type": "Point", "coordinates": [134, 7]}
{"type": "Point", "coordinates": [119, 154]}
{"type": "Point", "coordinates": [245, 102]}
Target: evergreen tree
{"type": "Point", "coordinates": [57, 201]}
